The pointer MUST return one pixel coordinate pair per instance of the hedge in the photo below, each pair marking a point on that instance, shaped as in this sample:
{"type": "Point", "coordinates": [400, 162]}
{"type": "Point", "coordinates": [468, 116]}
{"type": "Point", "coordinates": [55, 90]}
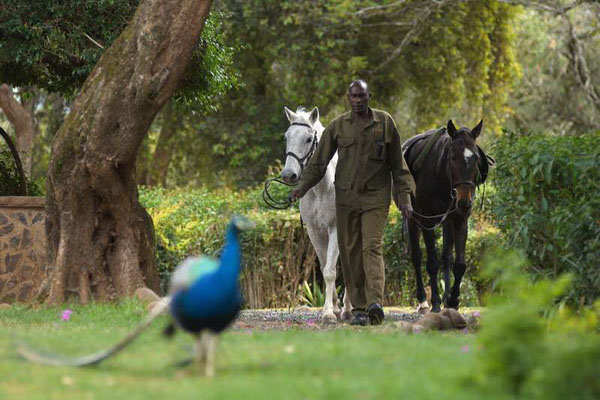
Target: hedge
{"type": "Point", "coordinates": [547, 203]}
{"type": "Point", "coordinates": [278, 255]}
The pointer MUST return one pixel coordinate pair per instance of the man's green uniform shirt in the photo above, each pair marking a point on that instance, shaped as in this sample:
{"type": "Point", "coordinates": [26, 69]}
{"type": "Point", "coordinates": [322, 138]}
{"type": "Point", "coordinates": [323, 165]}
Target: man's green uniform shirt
{"type": "Point", "coordinates": [369, 159]}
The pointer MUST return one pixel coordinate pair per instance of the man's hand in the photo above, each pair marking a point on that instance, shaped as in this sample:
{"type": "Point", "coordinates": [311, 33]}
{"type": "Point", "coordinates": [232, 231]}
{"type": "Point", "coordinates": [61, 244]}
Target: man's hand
{"type": "Point", "coordinates": [406, 210]}
{"type": "Point", "coordinates": [294, 195]}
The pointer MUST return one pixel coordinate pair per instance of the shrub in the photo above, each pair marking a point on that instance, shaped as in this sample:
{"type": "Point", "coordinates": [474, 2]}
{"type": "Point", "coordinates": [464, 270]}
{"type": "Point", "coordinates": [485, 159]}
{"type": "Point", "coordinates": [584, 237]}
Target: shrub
{"type": "Point", "coordinates": [547, 202]}
{"type": "Point", "coordinates": [530, 347]}
{"type": "Point", "coordinates": [278, 254]}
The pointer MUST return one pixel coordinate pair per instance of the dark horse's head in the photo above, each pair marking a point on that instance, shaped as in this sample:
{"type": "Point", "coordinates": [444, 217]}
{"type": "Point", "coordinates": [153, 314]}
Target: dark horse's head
{"type": "Point", "coordinates": [463, 164]}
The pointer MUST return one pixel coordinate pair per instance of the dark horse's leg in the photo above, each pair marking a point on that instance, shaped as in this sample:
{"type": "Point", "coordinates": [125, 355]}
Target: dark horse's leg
{"type": "Point", "coordinates": [447, 257]}
{"type": "Point", "coordinates": [460, 266]}
{"type": "Point", "coordinates": [416, 256]}
{"type": "Point", "coordinates": [433, 267]}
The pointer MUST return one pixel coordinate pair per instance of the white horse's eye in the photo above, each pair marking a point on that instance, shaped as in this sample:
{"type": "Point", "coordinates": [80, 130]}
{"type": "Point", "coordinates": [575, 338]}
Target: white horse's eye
{"type": "Point", "coordinates": [308, 140]}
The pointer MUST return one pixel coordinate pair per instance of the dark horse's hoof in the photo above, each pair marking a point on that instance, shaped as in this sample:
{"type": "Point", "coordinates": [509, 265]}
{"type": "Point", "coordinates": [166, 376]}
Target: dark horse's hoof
{"type": "Point", "coordinates": [452, 302]}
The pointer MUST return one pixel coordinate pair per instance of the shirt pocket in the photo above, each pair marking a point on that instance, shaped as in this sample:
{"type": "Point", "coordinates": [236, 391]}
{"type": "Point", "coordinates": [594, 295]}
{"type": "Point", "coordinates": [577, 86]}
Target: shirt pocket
{"type": "Point", "coordinates": [345, 146]}
{"type": "Point", "coordinates": [344, 169]}
{"type": "Point", "coordinates": [378, 148]}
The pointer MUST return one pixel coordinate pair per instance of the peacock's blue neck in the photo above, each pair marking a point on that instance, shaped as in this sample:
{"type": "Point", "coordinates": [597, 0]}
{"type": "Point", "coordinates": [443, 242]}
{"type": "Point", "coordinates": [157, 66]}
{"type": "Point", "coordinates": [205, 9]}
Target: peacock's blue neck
{"type": "Point", "coordinates": [231, 256]}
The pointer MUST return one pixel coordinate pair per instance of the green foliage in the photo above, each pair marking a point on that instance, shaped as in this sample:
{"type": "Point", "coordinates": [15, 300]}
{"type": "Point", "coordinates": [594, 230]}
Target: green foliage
{"type": "Point", "coordinates": [312, 295]}
{"type": "Point", "coordinates": [51, 45]}
{"type": "Point", "coordinates": [278, 253]}
{"type": "Point", "coordinates": [10, 181]}
{"type": "Point", "coordinates": [460, 64]}
{"type": "Point", "coordinates": [548, 98]}
{"type": "Point", "coordinates": [527, 354]}
{"type": "Point", "coordinates": [546, 202]}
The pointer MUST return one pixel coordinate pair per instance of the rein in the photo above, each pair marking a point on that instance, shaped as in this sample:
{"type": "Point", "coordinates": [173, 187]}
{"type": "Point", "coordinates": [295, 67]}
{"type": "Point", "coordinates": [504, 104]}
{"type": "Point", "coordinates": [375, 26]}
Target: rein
{"type": "Point", "coordinates": [450, 210]}
{"type": "Point", "coordinates": [272, 202]}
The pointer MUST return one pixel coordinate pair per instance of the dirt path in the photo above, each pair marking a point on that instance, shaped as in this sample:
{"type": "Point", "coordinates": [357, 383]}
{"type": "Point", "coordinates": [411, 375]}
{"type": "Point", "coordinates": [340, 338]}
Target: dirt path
{"type": "Point", "coordinates": [305, 318]}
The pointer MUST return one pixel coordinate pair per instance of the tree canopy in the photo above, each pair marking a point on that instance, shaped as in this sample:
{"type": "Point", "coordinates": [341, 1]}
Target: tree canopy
{"type": "Point", "coordinates": [55, 45]}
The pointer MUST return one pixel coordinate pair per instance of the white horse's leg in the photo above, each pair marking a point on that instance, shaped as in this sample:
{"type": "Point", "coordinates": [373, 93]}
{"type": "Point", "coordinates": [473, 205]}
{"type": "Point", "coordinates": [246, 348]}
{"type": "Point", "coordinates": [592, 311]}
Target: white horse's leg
{"type": "Point", "coordinates": [329, 274]}
{"type": "Point", "coordinates": [347, 310]}
{"type": "Point", "coordinates": [320, 244]}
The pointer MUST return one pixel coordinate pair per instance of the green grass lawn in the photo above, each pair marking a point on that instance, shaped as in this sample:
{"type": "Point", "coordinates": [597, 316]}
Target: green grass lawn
{"type": "Point", "coordinates": [344, 363]}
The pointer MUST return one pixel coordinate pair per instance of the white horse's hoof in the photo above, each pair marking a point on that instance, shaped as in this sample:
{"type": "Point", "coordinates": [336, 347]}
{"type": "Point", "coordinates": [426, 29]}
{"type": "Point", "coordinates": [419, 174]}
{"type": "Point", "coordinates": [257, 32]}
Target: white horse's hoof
{"type": "Point", "coordinates": [329, 318]}
{"type": "Point", "coordinates": [346, 315]}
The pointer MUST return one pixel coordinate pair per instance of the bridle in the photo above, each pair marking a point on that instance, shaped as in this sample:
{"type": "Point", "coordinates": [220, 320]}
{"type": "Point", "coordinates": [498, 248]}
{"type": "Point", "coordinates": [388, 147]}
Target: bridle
{"type": "Point", "coordinates": [451, 207]}
{"type": "Point", "coordinates": [302, 161]}
{"type": "Point", "coordinates": [284, 204]}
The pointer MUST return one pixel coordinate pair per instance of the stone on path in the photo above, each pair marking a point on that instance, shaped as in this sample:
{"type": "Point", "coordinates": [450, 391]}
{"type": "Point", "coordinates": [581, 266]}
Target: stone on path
{"type": "Point", "coordinates": [146, 296]}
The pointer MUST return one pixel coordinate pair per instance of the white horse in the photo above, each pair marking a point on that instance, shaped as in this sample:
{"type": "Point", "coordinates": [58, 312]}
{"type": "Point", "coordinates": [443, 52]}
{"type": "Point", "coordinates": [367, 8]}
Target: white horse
{"type": "Point", "coordinates": [317, 207]}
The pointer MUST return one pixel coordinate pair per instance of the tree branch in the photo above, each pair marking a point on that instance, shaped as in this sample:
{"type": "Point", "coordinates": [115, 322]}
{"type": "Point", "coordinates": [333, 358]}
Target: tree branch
{"type": "Point", "coordinates": [22, 181]}
{"type": "Point", "coordinates": [22, 120]}
{"type": "Point", "coordinates": [417, 27]}
{"type": "Point", "coordinates": [579, 62]}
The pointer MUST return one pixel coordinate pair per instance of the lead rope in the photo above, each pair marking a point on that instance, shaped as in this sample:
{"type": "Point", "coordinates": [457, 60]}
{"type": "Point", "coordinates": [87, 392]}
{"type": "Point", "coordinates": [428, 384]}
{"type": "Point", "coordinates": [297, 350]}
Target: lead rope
{"type": "Point", "coordinates": [272, 202]}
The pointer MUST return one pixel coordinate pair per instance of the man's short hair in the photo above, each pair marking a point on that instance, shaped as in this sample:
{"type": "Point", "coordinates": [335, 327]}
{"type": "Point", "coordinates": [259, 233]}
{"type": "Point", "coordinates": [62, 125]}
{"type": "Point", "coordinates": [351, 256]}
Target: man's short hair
{"type": "Point", "coordinates": [359, 82]}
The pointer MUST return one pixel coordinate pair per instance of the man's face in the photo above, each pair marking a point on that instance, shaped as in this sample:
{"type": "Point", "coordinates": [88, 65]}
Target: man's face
{"type": "Point", "coordinates": [358, 97]}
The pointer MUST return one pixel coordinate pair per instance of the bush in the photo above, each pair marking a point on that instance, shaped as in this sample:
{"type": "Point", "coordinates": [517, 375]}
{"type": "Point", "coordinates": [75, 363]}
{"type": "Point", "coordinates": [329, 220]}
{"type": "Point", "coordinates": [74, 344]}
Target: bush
{"type": "Point", "coordinates": [278, 254]}
{"type": "Point", "coordinates": [547, 202]}
{"type": "Point", "coordinates": [530, 347]}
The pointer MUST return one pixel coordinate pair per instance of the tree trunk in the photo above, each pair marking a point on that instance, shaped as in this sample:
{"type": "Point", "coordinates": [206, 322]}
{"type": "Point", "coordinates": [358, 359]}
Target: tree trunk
{"type": "Point", "coordinates": [100, 239]}
{"type": "Point", "coordinates": [22, 119]}
{"type": "Point", "coordinates": [164, 148]}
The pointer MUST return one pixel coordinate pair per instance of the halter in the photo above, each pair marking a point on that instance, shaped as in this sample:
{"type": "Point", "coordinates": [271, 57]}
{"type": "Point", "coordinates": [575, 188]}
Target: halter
{"type": "Point", "coordinates": [311, 151]}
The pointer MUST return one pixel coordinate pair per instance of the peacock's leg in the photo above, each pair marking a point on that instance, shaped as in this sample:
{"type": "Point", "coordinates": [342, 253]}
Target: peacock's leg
{"type": "Point", "coordinates": [212, 342]}
{"type": "Point", "coordinates": [201, 354]}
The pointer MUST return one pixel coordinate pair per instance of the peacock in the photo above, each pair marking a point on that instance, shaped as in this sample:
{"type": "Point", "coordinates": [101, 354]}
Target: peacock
{"type": "Point", "coordinates": [204, 299]}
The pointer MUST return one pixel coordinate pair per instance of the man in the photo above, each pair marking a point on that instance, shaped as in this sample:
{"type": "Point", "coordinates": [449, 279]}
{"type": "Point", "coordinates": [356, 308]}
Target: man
{"type": "Point", "coordinates": [369, 159]}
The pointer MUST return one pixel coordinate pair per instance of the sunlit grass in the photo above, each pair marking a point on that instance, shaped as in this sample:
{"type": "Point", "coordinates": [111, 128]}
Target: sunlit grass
{"type": "Point", "coordinates": [355, 363]}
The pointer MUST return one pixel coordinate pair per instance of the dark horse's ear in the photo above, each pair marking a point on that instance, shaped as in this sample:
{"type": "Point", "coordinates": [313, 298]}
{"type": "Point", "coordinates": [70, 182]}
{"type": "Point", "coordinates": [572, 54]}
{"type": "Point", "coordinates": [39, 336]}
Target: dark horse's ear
{"type": "Point", "coordinates": [477, 130]}
{"type": "Point", "coordinates": [451, 129]}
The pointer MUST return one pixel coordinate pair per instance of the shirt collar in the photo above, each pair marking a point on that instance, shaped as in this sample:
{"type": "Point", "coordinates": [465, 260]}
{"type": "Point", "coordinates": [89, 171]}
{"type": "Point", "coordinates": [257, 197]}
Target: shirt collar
{"type": "Point", "coordinates": [374, 115]}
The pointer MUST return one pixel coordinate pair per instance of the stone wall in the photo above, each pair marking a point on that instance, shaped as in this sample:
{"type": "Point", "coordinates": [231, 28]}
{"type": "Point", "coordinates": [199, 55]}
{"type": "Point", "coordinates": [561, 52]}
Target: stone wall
{"type": "Point", "coordinates": [22, 248]}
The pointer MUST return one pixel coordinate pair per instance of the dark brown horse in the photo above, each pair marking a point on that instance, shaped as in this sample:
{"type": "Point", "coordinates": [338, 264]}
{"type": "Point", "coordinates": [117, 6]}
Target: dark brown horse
{"type": "Point", "coordinates": [447, 166]}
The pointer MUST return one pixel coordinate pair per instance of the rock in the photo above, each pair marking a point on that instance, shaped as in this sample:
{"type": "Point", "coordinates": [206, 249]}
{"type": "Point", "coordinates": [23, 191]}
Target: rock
{"type": "Point", "coordinates": [146, 296]}
{"type": "Point", "coordinates": [4, 306]}
{"type": "Point", "coordinates": [302, 309]}
{"type": "Point", "coordinates": [151, 306]}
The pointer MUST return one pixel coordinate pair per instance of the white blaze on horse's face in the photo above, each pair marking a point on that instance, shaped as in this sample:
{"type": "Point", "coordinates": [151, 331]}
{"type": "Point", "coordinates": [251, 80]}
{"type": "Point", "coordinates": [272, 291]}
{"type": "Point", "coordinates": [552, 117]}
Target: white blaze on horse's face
{"type": "Point", "coordinates": [468, 154]}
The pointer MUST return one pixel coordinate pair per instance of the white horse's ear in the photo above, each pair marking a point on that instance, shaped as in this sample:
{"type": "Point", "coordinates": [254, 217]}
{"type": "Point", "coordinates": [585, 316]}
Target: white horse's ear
{"type": "Point", "coordinates": [477, 130]}
{"type": "Point", "coordinates": [291, 116]}
{"type": "Point", "coordinates": [314, 116]}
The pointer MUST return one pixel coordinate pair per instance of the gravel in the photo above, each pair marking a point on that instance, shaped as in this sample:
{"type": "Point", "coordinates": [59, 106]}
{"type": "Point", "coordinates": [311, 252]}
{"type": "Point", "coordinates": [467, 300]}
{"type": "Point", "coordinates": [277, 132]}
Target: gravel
{"type": "Point", "coordinates": [304, 318]}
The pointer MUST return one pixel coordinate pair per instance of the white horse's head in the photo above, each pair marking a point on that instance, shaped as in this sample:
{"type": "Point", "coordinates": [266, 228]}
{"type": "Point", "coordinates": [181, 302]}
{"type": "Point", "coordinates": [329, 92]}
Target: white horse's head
{"type": "Point", "coordinates": [301, 141]}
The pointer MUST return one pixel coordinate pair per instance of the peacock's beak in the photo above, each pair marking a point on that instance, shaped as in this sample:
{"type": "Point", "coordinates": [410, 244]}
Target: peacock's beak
{"type": "Point", "coordinates": [243, 223]}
